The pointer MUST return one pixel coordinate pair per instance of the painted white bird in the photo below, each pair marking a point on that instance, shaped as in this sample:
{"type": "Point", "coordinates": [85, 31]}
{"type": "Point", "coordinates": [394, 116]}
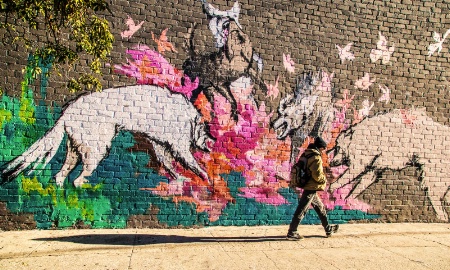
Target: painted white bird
{"type": "Point", "coordinates": [132, 28]}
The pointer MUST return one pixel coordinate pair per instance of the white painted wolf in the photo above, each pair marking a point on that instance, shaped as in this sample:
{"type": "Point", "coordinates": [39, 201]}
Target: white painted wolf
{"type": "Point", "coordinates": [91, 122]}
{"type": "Point", "coordinates": [309, 112]}
{"type": "Point", "coordinates": [393, 141]}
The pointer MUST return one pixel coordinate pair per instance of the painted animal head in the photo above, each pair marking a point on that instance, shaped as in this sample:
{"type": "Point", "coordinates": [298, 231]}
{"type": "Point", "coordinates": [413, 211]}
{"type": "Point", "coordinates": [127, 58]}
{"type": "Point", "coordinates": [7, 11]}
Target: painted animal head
{"type": "Point", "coordinates": [219, 21]}
{"type": "Point", "coordinates": [294, 109]}
{"type": "Point", "coordinates": [341, 150]}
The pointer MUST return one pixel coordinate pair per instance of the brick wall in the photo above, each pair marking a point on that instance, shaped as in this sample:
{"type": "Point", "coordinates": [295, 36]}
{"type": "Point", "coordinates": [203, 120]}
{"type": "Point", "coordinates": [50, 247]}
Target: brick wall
{"type": "Point", "coordinates": [204, 111]}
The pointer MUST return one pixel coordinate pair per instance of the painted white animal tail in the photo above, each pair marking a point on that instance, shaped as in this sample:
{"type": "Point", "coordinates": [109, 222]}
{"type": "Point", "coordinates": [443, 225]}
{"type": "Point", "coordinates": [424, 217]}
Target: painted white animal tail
{"type": "Point", "coordinates": [42, 150]}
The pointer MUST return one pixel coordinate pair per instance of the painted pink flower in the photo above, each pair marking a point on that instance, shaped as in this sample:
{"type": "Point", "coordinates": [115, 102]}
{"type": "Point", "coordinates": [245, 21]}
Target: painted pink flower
{"type": "Point", "coordinates": [345, 53]}
{"type": "Point", "coordinates": [150, 67]}
{"type": "Point", "coordinates": [345, 101]}
{"type": "Point", "coordinates": [382, 51]}
{"type": "Point", "coordinates": [288, 63]}
{"type": "Point", "coordinates": [132, 28]}
{"type": "Point", "coordinates": [439, 41]}
{"type": "Point", "coordinates": [325, 83]}
{"type": "Point", "coordinates": [272, 90]}
{"type": "Point", "coordinates": [360, 114]}
{"type": "Point", "coordinates": [249, 145]}
{"type": "Point", "coordinates": [366, 108]}
{"type": "Point", "coordinates": [386, 94]}
{"type": "Point", "coordinates": [163, 42]}
{"type": "Point", "coordinates": [365, 82]}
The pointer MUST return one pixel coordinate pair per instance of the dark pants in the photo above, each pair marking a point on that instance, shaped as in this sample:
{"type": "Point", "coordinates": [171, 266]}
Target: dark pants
{"type": "Point", "coordinates": [308, 198]}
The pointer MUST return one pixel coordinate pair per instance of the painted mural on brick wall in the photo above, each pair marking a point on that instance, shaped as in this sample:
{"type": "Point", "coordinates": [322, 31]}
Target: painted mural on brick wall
{"type": "Point", "coordinates": [213, 154]}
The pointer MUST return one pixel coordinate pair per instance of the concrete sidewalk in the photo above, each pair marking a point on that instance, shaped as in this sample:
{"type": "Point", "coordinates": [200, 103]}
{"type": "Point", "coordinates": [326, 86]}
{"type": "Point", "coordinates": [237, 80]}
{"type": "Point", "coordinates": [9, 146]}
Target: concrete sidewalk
{"type": "Point", "coordinates": [356, 246]}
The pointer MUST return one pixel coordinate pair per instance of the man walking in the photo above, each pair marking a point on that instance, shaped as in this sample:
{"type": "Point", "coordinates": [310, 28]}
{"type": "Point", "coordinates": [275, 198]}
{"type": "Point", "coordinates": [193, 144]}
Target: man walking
{"type": "Point", "coordinates": [317, 182]}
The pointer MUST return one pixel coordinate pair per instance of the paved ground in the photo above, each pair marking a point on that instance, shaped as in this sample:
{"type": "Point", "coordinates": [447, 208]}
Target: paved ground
{"type": "Point", "coordinates": [356, 246]}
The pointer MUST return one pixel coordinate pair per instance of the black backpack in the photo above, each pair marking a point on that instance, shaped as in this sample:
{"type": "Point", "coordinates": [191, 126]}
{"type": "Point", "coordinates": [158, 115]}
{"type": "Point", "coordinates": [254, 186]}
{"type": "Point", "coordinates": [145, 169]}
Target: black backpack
{"type": "Point", "coordinates": [300, 174]}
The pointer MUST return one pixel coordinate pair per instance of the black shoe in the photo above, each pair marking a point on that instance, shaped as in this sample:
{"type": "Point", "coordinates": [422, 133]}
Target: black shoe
{"type": "Point", "coordinates": [331, 229]}
{"type": "Point", "coordinates": [294, 236]}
